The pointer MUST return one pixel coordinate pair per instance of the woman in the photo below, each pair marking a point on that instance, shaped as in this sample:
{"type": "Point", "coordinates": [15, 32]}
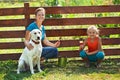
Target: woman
{"type": "Point", "coordinates": [47, 52]}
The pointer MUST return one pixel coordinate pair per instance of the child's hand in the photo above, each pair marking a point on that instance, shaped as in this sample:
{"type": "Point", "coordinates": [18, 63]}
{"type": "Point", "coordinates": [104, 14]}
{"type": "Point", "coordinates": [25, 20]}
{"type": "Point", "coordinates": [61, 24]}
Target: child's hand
{"type": "Point", "coordinates": [81, 47]}
{"type": "Point", "coordinates": [87, 52]}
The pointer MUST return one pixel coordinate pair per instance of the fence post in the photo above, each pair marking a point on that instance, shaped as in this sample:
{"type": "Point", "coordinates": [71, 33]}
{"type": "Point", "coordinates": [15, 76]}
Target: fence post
{"type": "Point", "coordinates": [26, 14]}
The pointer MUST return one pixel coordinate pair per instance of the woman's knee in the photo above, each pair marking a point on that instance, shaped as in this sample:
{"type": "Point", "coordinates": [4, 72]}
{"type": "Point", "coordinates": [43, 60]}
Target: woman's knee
{"type": "Point", "coordinates": [49, 52]}
{"type": "Point", "coordinates": [55, 52]}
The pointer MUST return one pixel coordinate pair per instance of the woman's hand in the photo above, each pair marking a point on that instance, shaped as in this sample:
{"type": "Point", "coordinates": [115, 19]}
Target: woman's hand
{"type": "Point", "coordinates": [29, 46]}
{"type": "Point", "coordinates": [57, 44]}
{"type": "Point", "coordinates": [26, 42]}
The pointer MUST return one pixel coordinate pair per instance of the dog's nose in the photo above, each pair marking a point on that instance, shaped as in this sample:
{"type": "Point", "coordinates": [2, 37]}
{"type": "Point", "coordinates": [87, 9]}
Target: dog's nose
{"type": "Point", "coordinates": [38, 38]}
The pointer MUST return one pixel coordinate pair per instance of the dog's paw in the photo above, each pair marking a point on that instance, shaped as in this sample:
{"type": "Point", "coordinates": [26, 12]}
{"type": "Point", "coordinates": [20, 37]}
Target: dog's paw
{"type": "Point", "coordinates": [18, 72]}
{"type": "Point", "coordinates": [40, 70]}
{"type": "Point", "coordinates": [32, 73]}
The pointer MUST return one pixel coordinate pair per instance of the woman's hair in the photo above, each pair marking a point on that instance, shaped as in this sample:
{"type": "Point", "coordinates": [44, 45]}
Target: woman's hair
{"type": "Point", "coordinates": [93, 27]}
{"type": "Point", "coordinates": [39, 9]}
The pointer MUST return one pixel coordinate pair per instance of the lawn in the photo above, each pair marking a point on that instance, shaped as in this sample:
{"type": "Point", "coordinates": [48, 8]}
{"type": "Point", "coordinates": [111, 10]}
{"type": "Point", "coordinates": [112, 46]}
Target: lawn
{"type": "Point", "coordinates": [73, 71]}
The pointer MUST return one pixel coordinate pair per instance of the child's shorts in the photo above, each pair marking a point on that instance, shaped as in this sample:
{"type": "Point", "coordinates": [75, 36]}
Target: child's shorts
{"type": "Point", "coordinates": [92, 58]}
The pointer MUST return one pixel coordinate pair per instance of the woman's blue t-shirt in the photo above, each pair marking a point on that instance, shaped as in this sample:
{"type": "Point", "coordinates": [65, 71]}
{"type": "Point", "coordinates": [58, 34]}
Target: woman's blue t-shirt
{"type": "Point", "coordinates": [33, 25]}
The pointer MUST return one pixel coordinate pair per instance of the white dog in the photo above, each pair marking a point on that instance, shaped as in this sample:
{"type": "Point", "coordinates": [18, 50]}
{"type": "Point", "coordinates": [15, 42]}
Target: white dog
{"type": "Point", "coordinates": [31, 58]}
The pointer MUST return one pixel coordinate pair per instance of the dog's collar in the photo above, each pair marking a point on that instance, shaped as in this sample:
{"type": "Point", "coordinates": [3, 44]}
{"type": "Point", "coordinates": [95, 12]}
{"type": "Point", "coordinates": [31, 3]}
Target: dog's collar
{"type": "Point", "coordinates": [35, 42]}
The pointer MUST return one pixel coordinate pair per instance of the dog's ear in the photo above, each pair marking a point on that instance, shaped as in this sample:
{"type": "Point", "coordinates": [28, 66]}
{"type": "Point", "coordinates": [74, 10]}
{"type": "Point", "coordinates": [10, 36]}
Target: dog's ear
{"type": "Point", "coordinates": [31, 33]}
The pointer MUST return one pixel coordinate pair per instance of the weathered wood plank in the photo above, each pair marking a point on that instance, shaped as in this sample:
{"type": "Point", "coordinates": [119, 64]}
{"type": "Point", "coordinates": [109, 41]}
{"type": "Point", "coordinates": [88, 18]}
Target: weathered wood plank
{"type": "Point", "coordinates": [111, 41]}
{"type": "Point", "coordinates": [12, 22]}
{"type": "Point", "coordinates": [64, 21]}
{"type": "Point", "coordinates": [78, 9]}
{"type": "Point", "coordinates": [12, 56]}
{"type": "Point", "coordinates": [59, 32]}
{"type": "Point", "coordinates": [109, 31]}
{"type": "Point", "coordinates": [80, 32]}
{"type": "Point", "coordinates": [12, 34]}
{"type": "Point", "coordinates": [81, 21]}
{"type": "Point", "coordinates": [75, 53]}
{"type": "Point", "coordinates": [62, 10]}
{"type": "Point", "coordinates": [69, 54]}
{"type": "Point", "coordinates": [70, 43]}
{"type": "Point", "coordinates": [12, 45]}
{"type": "Point", "coordinates": [64, 43]}
{"type": "Point", "coordinates": [11, 11]}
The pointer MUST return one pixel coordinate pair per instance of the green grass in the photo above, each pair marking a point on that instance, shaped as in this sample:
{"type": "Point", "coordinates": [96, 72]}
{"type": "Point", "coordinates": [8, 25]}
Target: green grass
{"type": "Point", "coordinates": [73, 71]}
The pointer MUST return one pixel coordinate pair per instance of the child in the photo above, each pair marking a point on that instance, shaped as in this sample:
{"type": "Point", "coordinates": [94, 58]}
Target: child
{"type": "Point", "coordinates": [94, 53]}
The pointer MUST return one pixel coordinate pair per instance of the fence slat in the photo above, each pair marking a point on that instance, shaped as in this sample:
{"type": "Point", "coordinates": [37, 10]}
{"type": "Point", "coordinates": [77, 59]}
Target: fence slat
{"type": "Point", "coordinates": [79, 32]}
{"type": "Point", "coordinates": [12, 23]}
{"type": "Point", "coordinates": [75, 53]}
{"type": "Point", "coordinates": [69, 54]}
{"type": "Point", "coordinates": [12, 56]}
{"type": "Point", "coordinates": [81, 21]}
{"type": "Point", "coordinates": [59, 32]}
{"type": "Point", "coordinates": [78, 9]}
{"type": "Point", "coordinates": [70, 43]}
{"type": "Point", "coordinates": [11, 11]}
{"type": "Point", "coordinates": [12, 45]}
{"type": "Point", "coordinates": [64, 43]}
{"type": "Point", "coordinates": [12, 34]}
{"type": "Point", "coordinates": [65, 21]}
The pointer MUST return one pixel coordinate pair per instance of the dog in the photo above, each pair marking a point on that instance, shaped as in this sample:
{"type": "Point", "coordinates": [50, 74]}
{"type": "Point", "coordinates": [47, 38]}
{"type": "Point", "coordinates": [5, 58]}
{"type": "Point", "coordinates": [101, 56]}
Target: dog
{"type": "Point", "coordinates": [31, 58]}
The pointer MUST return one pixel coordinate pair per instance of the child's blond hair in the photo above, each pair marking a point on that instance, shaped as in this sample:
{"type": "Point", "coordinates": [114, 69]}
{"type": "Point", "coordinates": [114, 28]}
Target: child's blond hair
{"type": "Point", "coordinates": [93, 27]}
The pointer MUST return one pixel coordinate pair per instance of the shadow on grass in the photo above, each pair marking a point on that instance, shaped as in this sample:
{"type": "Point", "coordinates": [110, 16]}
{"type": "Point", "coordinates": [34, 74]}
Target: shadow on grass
{"type": "Point", "coordinates": [11, 75]}
{"type": "Point", "coordinates": [8, 68]}
{"type": "Point", "coordinates": [77, 68]}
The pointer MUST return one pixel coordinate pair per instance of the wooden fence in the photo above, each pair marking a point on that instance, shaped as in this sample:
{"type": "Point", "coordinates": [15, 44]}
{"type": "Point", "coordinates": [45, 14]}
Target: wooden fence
{"type": "Point", "coordinates": [70, 29]}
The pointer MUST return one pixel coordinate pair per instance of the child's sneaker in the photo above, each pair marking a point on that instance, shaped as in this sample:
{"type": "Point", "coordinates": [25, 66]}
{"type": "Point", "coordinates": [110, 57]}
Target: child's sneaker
{"type": "Point", "coordinates": [87, 64]}
{"type": "Point", "coordinates": [98, 65]}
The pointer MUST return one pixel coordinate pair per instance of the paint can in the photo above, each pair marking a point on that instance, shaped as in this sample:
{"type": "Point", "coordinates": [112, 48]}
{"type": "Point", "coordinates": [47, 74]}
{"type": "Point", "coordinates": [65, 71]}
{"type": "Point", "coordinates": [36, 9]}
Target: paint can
{"type": "Point", "coordinates": [62, 61]}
